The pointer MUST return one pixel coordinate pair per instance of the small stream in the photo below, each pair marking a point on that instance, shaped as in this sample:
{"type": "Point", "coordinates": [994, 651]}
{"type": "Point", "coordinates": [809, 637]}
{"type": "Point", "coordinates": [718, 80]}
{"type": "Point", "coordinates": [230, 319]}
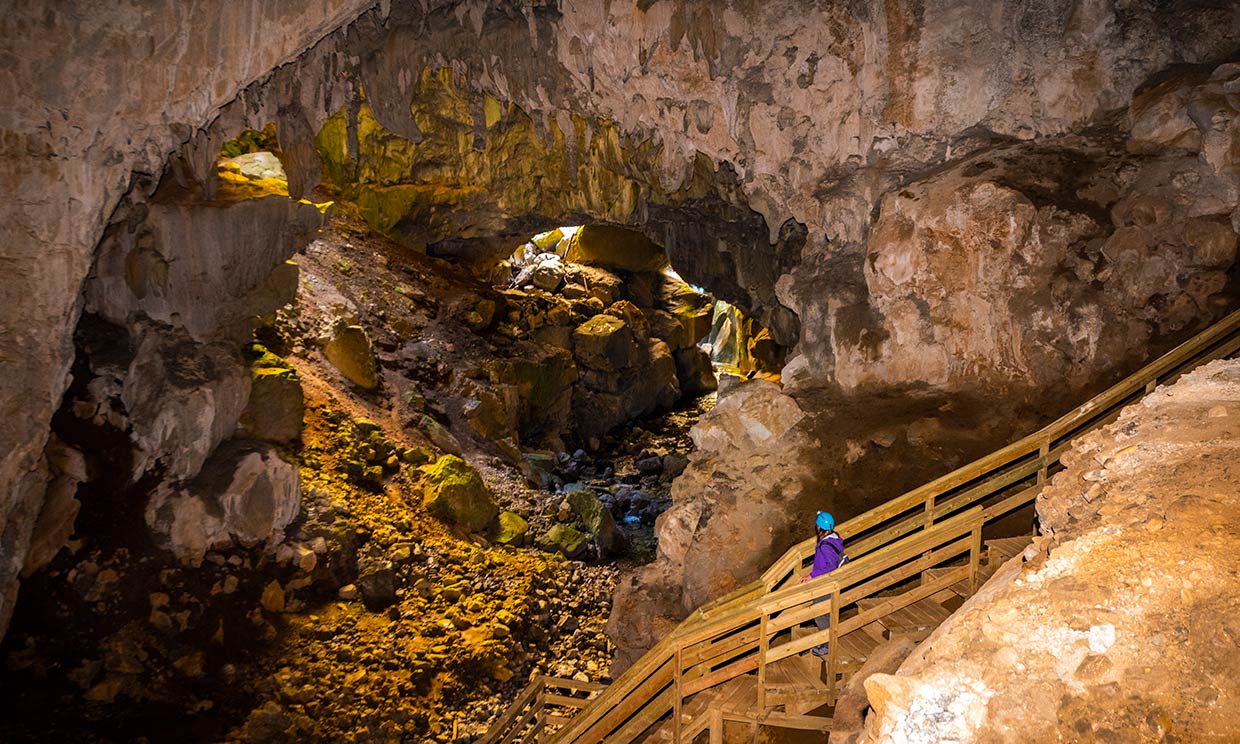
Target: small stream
{"type": "Point", "coordinates": [632, 472]}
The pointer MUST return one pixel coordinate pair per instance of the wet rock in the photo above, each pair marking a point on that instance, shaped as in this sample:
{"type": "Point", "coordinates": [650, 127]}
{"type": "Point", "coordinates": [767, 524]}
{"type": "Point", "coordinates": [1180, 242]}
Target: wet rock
{"type": "Point", "coordinates": [674, 464]}
{"type": "Point", "coordinates": [350, 351]}
{"type": "Point", "coordinates": [454, 492]}
{"type": "Point", "coordinates": [245, 493]}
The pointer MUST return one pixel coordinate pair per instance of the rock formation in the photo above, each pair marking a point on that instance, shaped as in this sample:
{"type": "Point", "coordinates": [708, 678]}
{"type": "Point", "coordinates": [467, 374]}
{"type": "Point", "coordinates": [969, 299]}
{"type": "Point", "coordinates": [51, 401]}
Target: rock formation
{"type": "Point", "coordinates": [1113, 624]}
{"type": "Point", "coordinates": [923, 219]}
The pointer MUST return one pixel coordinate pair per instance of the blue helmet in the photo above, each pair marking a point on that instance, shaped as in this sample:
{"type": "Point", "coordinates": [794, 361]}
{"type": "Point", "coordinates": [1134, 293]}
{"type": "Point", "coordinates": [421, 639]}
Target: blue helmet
{"type": "Point", "coordinates": [825, 521]}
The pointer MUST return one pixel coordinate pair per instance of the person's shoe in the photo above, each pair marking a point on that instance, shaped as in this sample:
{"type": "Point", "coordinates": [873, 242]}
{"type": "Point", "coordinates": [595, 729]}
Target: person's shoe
{"type": "Point", "coordinates": [821, 650]}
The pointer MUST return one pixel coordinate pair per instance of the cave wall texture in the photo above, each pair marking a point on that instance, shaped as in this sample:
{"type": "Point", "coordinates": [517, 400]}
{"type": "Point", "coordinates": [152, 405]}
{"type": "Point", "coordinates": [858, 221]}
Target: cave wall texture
{"type": "Point", "coordinates": [832, 166]}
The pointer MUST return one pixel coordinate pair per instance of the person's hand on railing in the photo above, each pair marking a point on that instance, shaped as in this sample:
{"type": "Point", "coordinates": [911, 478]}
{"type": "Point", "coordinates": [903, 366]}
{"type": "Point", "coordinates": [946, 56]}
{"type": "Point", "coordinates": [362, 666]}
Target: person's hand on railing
{"type": "Point", "coordinates": [805, 579]}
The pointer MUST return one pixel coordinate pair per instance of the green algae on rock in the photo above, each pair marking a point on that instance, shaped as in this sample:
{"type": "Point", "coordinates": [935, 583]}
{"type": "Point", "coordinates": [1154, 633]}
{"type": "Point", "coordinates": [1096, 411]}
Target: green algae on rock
{"type": "Point", "coordinates": [455, 493]}
{"type": "Point", "coordinates": [276, 406]}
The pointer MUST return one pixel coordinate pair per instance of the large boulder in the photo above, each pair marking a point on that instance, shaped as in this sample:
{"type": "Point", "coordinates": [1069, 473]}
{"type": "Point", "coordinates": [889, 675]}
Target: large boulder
{"type": "Point", "coordinates": [245, 494]}
{"type": "Point", "coordinates": [277, 405]}
{"type": "Point", "coordinates": [605, 342]}
{"type": "Point", "coordinates": [595, 518]}
{"type": "Point", "coordinates": [615, 248]}
{"type": "Point", "coordinates": [183, 399]}
{"type": "Point", "coordinates": [695, 372]}
{"type": "Point", "coordinates": [350, 351]}
{"type": "Point", "coordinates": [209, 268]}
{"type": "Point", "coordinates": [454, 492]}
{"type": "Point", "coordinates": [510, 529]}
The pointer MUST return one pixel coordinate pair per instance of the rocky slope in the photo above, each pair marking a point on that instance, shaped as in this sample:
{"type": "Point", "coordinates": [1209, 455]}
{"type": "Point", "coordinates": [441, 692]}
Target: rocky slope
{"type": "Point", "coordinates": [301, 517]}
{"type": "Point", "coordinates": [1118, 623]}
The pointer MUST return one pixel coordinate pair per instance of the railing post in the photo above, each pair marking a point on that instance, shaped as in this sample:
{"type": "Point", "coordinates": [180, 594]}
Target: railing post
{"type": "Point", "coordinates": [929, 511]}
{"type": "Point", "coordinates": [676, 702]}
{"type": "Point", "coordinates": [975, 558]}
{"type": "Point", "coordinates": [833, 651]}
{"type": "Point", "coordinates": [1149, 386]}
{"type": "Point", "coordinates": [763, 645]}
{"type": "Point", "coordinates": [539, 721]}
{"type": "Point", "coordinates": [1044, 452]}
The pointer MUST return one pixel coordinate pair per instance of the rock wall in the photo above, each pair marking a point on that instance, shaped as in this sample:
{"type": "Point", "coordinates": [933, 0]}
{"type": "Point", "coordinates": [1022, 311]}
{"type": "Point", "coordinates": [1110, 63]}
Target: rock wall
{"type": "Point", "coordinates": [99, 91]}
{"type": "Point", "coordinates": [754, 141]}
{"type": "Point", "coordinates": [1119, 624]}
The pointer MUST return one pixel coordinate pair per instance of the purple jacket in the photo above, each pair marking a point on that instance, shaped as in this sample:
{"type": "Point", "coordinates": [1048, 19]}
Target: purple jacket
{"type": "Point", "coordinates": [827, 554]}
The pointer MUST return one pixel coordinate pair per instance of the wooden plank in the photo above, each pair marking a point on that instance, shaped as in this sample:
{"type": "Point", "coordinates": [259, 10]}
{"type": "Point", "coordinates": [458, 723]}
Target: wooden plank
{"type": "Point", "coordinates": [513, 710]}
{"type": "Point", "coordinates": [635, 726]}
{"type": "Point", "coordinates": [1014, 501]}
{"type": "Point", "coordinates": [881, 582]}
{"type": "Point", "coordinates": [913, 595]}
{"type": "Point", "coordinates": [723, 674]}
{"type": "Point", "coordinates": [711, 650]}
{"type": "Point", "coordinates": [607, 719]}
{"type": "Point", "coordinates": [566, 701]}
{"type": "Point", "coordinates": [561, 683]}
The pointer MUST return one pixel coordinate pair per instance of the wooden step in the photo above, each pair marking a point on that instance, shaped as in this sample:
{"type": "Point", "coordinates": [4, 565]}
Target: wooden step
{"type": "Point", "coordinates": [1000, 550]}
{"type": "Point", "coordinates": [738, 696]}
{"type": "Point", "coordinates": [855, 649]}
{"type": "Point", "coordinates": [796, 683]}
{"type": "Point", "coordinates": [960, 588]}
{"type": "Point", "coordinates": [920, 617]}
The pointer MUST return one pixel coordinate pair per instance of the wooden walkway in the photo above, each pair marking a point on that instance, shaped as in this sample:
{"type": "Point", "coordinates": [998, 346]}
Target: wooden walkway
{"type": "Point", "coordinates": [745, 658]}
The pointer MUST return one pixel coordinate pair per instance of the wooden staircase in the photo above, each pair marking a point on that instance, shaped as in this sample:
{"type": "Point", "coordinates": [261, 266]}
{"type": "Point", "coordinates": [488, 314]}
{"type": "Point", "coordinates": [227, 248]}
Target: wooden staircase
{"type": "Point", "coordinates": [745, 658]}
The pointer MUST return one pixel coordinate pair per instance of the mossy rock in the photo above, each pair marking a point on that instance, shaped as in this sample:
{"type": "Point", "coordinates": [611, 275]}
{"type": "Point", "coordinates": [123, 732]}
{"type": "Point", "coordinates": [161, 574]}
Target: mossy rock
{"type": "Point", "coordinates": [566, 539]}
{"type": "Point", "coordinates": [594, 517]}
{"type": "Point", "coordinates": [510, 529]}
{"type": "Point", "coordinates": [277, 405]}
{"type": "Point", "coordinates": [454, 492]}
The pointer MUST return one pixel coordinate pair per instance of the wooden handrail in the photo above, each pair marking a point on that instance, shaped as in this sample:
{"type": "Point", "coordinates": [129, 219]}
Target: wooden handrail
{"type": "Point", "coordinates": [730, 636]}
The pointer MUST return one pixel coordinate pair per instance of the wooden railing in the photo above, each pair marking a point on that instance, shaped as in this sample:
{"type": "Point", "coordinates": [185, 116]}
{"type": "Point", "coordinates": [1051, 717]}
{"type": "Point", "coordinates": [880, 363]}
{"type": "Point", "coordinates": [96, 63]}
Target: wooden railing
{"type": "Point", "coordinates": [543, 707]}
{"type": "Point", "coordinates": [931, 526]}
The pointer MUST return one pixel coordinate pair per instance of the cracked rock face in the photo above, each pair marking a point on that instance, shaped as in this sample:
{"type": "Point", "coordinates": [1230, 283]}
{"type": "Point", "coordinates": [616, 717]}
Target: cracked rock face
{"type": "Point", "coordinates": [1118, 628]}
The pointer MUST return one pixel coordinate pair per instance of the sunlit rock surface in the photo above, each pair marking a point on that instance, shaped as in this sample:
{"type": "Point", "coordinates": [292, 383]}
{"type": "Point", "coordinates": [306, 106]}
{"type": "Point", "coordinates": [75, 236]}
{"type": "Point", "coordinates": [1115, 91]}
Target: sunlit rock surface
{"type": "Point", "coordinates": [82, 119]}
{"type": "Point", "coordinates": [1121, 625]}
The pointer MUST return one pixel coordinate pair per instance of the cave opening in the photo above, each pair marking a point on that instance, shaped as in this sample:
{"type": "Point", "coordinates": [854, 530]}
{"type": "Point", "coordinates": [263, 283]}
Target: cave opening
{"type": "Point", "coordinates": [301, 441]}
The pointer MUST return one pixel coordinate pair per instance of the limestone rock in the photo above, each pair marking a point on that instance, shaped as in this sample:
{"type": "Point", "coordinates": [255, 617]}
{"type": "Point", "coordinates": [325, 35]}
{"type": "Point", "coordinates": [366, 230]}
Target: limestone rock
{"type": "Point", "coordinates": [183, 399]}
{"type": "Point", "coordinates": [1063, 643]}
{"type": "Point", "coordinates": [276, 406]}
{"type": "Point", "coordinates": [244, 493]}
{"type": "Point", "coordinates": [752, 417]}
{"type": "Point", "coordinates": [548, 275]}
{"type": "Point", "coordinates": [351, 352]}
{"type": "Point", "coordinates": [209, 268]}
{"type": "Point", "coordinates": [60, 506]}
{"type": "Point", "coordinates": [454, 492]}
